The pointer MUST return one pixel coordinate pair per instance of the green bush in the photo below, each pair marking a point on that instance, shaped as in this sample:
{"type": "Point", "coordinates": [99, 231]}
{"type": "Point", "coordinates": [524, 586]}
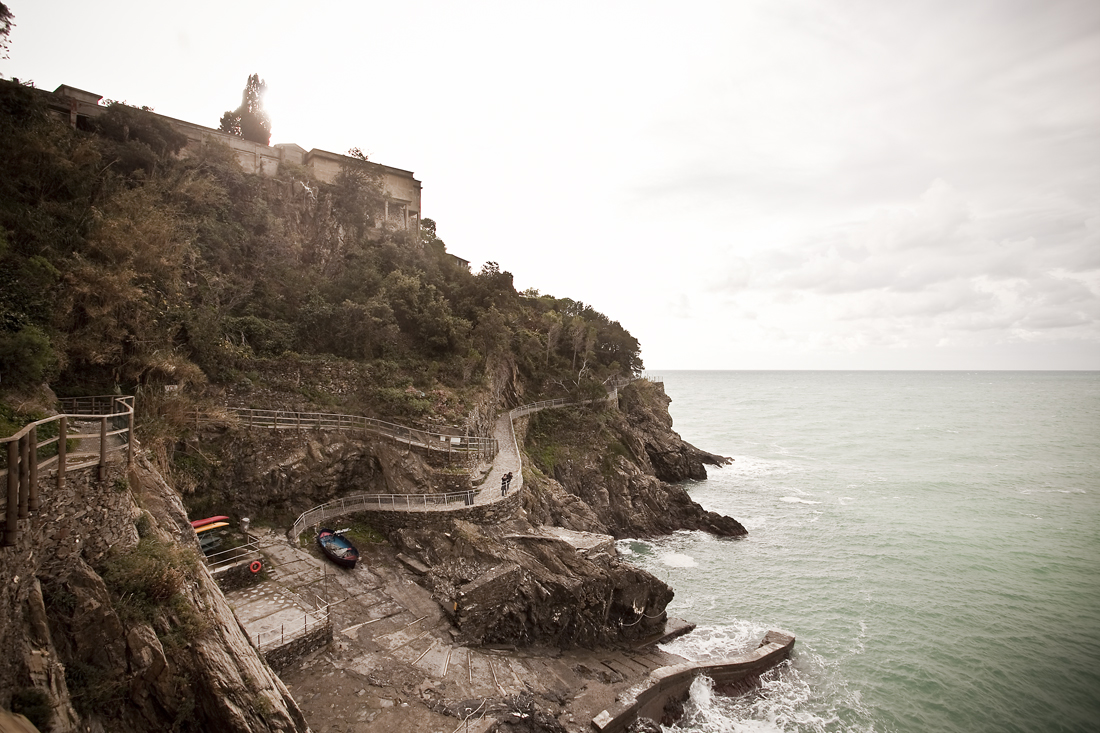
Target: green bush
{"type": "Point", "coordinates": [145, 579]}
{"type": "Point", "coordinates": [34, 704]}
{"type": "Point", "coordinates": [26, 357]}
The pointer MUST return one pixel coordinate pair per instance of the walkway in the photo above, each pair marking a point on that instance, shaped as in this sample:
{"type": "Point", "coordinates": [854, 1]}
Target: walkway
{"type": "Point", "coordinates": [506, 459]}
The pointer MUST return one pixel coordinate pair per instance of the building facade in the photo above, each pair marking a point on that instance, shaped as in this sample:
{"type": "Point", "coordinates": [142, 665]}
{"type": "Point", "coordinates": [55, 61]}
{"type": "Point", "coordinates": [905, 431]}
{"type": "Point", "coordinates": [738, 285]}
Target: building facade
{"type": "Point", "coordinates": [400, 189]}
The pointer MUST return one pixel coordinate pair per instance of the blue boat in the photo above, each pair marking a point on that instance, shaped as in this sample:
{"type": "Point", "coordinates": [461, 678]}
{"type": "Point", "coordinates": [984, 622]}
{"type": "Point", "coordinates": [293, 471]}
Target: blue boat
{"type": "Point", "coordinates": [337, 548]}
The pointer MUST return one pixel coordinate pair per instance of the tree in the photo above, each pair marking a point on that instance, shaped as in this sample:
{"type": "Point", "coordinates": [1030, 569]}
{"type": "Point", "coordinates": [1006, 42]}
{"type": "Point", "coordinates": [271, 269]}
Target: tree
{"type": "Point", "coordinates": [249, 120]}
{"type": "Point", "coordinates": [5, 29]}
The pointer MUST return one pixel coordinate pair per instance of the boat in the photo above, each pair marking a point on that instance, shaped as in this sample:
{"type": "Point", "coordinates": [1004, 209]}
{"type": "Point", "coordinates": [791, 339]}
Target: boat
{"type": "Point", "coordinates": [208, 527]}
{"type": "Point", "coordinates": [208, 542]}
{"type": "Point", "coordinates": [209, 520]}
{"type": "Point", "coordinates": [337, 548]}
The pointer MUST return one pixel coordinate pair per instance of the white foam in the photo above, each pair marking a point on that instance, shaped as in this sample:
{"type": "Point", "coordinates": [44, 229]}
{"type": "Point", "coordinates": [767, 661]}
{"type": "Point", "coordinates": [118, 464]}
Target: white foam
{"type": "Point", "coordinates": [796, 500]}
{"type": "Point", "coordinates": [678, 560]}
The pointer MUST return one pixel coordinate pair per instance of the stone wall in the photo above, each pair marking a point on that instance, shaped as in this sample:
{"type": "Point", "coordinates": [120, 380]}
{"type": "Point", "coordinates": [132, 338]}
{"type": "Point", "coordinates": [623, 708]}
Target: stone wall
{"type": "Point", "coordinates": [238, 575]}
{"type": "Point", "coordinates": [280, 657]}
{"type": "Point", "coordinates": [83, 519]}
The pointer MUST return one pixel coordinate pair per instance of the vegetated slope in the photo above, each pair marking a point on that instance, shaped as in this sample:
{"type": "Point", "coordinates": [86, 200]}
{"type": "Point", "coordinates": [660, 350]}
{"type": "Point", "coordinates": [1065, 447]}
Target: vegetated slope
{"type": "Point", "coordinates": [126, 263]}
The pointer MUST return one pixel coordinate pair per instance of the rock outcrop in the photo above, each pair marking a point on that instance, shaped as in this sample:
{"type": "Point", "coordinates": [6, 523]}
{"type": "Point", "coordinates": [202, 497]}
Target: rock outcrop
{"type": "Point", "coordinates": [521, 585]}
{"type": "Point", "coordinates": [610, 470]}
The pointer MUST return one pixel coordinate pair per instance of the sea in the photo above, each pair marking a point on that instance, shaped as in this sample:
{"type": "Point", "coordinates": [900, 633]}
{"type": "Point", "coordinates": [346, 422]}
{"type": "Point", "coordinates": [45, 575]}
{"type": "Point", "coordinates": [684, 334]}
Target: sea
{"type": "Point", "coordinates": [932, 539]}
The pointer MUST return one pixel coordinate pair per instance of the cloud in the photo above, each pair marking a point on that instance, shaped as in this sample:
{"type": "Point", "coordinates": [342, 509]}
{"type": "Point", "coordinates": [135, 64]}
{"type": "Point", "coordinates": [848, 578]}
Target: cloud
{"type": "Point", "coordinates": [925, 274]}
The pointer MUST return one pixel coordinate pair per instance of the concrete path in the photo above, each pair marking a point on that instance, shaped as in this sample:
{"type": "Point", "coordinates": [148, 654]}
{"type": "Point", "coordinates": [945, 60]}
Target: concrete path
{"type": "Point", "coordinates": [507, 459]}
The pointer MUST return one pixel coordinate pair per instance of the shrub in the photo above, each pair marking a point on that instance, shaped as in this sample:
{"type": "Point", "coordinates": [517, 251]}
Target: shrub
{"type": "Point", "coordinates": [146, 578]}
{"type": "Point", "coordinates": [35, 705]}
{"type": "Point", "coordinates": [26, 357]}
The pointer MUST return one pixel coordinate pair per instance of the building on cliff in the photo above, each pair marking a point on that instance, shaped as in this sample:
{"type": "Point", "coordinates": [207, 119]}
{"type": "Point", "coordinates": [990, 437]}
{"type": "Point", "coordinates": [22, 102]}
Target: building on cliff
{"type": "Point", "coordinates": [400, 189]}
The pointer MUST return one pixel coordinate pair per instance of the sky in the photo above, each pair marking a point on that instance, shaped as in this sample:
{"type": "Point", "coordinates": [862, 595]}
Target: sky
{"type": "Point", "coordinates": [742, 184]}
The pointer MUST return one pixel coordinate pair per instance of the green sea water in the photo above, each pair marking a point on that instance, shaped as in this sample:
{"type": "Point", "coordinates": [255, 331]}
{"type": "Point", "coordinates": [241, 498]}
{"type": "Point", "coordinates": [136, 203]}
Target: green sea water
{"type": "Point", "coordinates": [931, 538]}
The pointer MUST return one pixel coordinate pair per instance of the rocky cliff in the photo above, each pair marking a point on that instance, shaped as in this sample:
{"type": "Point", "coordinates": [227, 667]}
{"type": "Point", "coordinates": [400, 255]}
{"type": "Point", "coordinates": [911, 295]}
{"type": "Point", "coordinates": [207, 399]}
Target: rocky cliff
{"type": "Point", "coordinates": [116, 626]}
{"type": "Point", "coordinates": [617, 471]}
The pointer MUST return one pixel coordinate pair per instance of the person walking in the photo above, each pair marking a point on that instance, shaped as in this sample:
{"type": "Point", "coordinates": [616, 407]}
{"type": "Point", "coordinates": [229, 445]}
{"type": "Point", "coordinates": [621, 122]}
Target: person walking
{"type": "Point", "coordinates": [503, 485]}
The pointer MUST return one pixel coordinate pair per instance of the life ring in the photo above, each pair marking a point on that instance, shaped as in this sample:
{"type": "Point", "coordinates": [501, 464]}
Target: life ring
{"type": "Point", "coordinates": [255, 566]}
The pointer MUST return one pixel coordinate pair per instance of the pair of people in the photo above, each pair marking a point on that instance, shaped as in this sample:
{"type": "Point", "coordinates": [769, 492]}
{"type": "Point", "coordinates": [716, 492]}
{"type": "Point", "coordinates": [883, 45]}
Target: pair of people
{"type": "Point", "coordinates": [505, 482]}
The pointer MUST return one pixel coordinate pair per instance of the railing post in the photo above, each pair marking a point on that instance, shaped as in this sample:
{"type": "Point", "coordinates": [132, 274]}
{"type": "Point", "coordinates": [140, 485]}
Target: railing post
{"type": "Point", "coordinates": [102, 448]}
{"type": "Point", "coordinates": [24, 473]}
{"type": "Point", "coordinates": [32, 498]}
{"type": "Point", "coordinates": [130, 439]}
{"type": "Point", "coordinates": [62, 449]}
{"type": "Point", "coordinates": [11, 526]}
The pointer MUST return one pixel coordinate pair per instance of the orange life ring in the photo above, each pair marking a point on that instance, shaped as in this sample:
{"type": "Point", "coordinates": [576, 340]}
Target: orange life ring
{"type": "Point", "coordinates": [256, 566]}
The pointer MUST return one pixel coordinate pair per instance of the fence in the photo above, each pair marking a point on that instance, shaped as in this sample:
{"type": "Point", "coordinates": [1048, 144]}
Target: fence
{"type": "Point", "coordinates": [288, 420]}
{"type": "Point", "coordinates": [366, 502]}
{"type": "Point", "coordinates": [25, 455]}
{"type": "Point", "coordinates": [287, 633]}
{"type": "Point", "coordinates": [233, 555]}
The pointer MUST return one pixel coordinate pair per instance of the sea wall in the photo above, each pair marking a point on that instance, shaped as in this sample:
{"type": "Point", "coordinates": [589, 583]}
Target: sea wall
{"type": "Point", "coordinates": [671, 684]}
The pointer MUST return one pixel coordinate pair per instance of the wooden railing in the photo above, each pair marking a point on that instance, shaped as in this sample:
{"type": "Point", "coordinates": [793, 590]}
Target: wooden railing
{"type": "Point", "coordinates": [26, 455]}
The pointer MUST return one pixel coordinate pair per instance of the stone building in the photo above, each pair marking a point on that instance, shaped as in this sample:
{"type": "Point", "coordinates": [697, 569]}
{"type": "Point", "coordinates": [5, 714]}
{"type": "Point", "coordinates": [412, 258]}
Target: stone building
{"type": "Point", "coordinates": [400, 188]}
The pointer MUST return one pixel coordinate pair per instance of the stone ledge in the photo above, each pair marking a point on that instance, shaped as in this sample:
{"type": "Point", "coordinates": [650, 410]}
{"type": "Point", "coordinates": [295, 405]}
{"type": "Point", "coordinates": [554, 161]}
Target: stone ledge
{"type": "Point", "coordinates": [672, 683]}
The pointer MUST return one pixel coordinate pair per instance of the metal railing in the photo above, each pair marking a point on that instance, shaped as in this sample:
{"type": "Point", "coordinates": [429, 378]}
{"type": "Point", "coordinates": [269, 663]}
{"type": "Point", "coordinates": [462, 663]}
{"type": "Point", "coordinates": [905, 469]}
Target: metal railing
{"type": "Point", "coordinates": [26, 455]}
{"type": "Point", "coordinates": [378, 502]}
{"type": "Point", "coordinates": [418, 502]}
{"type": "Point", "coordinates": [267, 641]}
{"type": "Point", "coordinates": [232, 556]}
{"type": "Point", "coordinates": [289, 420]}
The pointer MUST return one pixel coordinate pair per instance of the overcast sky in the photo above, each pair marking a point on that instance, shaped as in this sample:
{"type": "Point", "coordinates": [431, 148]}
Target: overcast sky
{"type": "Point", "coordinates": [743, 184]}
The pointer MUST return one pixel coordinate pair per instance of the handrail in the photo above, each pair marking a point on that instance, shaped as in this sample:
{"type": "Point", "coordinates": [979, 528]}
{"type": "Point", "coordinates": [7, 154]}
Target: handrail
{"type": "Point", "coordinates": [22, 451]}
{"type": "Point", "coordinates": [321, 618]}
{"type": "Point", "coordinates": [420, 502]}
{"type": "Point", "coordinates": [456, 442]}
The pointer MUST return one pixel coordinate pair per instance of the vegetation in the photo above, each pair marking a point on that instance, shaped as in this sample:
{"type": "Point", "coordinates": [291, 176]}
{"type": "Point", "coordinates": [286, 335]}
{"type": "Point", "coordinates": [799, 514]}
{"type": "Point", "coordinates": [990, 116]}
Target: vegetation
{"type": "Point", "coordinates": [130, 262]}
{"type": "Point", "coordinates": [249, 120]}
{"type": "Point", "coordinates": [5, 29]}
{"type": "Point", "coordinates": [35, 705]}
{"type": "Point", "coordinates": [147, 584]}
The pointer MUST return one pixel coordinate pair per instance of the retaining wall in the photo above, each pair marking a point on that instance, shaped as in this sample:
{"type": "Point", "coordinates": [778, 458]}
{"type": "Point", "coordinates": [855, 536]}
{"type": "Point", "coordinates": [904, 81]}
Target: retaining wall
{"type": "Point", "coordinates": [280, 657]}
{"type": "Point", "coordinates": [85, 515]}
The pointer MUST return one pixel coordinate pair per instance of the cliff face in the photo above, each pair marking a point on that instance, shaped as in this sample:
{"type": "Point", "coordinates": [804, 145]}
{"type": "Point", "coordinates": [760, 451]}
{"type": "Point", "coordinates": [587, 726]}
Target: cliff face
{"type": "Point", "coordinates": [277, 475]}
{"type": "Point", "coordinates": [118, 627]}
{"type": "Point", "coordinates": [607, 470]}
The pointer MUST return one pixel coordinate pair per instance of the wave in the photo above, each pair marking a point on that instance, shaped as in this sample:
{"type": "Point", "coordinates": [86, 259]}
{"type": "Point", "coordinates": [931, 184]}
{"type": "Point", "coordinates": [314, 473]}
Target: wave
{"type": "Point", "coordinates": [796, 500]}
{"type": "Point", "coordinates": [678, 560]}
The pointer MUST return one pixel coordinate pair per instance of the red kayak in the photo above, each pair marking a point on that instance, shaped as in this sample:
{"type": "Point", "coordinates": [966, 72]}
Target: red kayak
{"type": "Point", "coordinates": [209, 520]}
